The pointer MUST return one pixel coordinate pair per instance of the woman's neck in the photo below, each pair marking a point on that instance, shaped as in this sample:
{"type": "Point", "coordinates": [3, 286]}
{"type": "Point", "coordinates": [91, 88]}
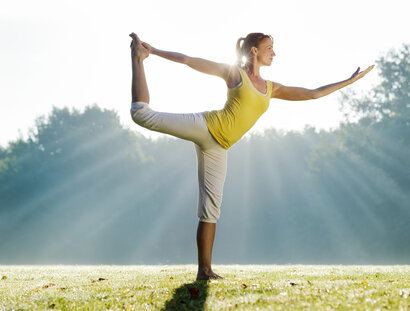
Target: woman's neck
{"type": "Point", "coordinates": [254, 71]}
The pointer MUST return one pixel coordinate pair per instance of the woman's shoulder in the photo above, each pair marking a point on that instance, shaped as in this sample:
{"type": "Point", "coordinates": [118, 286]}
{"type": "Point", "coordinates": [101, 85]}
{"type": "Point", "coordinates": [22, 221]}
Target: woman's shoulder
{"type": "Point", "coordinates": [234, 76]}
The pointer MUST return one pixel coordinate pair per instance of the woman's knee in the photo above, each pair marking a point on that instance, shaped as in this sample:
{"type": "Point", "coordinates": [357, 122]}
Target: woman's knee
{"type": "Point", "coordinates": [209, 206]}
{"type": "Point", "coordinates": [141, 113]}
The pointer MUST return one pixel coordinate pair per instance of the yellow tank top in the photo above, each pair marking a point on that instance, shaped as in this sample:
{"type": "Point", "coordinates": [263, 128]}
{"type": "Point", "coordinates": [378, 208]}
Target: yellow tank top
{"type": "Point", "coordinates": [243, 108]}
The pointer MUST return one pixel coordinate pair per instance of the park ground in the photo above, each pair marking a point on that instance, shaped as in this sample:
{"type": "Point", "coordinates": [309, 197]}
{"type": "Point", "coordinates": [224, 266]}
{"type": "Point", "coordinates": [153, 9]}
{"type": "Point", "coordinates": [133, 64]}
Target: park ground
{"type": "Point", "coordinates": [245, 287]}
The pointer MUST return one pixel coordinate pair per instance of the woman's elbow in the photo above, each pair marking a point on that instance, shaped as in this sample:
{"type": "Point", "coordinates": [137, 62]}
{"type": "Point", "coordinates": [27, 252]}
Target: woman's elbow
{"type": "Point", "coordinates": [184, 59]}
{"type": "Point", "coordinates": [314, 94]}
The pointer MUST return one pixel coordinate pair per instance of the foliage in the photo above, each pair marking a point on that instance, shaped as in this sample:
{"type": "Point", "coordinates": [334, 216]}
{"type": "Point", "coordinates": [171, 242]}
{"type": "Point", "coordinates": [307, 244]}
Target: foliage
{"type": "Point", "coordinates": [369, 159]}
{"type": "Point", "coordinates": [389, 99]}
{"type": "Point", "coordinates": [381, 138]}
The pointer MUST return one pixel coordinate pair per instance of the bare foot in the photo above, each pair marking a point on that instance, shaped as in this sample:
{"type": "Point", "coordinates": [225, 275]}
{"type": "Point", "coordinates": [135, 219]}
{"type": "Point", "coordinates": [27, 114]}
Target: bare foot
{"type": "Point", "coordinates": [138, 51]}
{"type": "Point", "coordinates": [207, 274]}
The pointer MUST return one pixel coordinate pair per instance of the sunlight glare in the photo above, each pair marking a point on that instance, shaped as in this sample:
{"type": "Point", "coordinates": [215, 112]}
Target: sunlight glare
{"type": "Point", "coordinates": [244, 59]}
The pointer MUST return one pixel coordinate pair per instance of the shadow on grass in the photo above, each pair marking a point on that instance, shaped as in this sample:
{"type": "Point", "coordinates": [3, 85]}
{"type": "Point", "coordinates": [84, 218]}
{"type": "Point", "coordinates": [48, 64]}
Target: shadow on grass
{"type": "Point", "coordinates": [190, 296]}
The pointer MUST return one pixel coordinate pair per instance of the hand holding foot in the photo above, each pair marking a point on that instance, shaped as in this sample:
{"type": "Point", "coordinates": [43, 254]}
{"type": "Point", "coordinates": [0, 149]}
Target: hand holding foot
{"type": "Point", "coordinates": [138, 51]}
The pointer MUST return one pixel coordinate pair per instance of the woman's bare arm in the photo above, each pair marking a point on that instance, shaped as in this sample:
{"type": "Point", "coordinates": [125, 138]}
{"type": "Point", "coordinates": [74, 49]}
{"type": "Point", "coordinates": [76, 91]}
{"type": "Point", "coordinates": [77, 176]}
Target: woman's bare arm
{"type": "Point", "coordinates": [299, 93]}
{"type": "Point", "coordinates": [221, 70]}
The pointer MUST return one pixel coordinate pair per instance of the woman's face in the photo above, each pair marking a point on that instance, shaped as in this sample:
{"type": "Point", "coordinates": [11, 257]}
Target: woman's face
{"type": "Point", "coordinates": [264, 52]}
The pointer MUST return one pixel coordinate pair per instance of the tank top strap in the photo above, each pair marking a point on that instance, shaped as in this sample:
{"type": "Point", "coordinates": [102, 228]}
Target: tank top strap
{"type": "Point", "coordinates": [243, 75]}
{"type": "Point", "coordinates": [270, 87]}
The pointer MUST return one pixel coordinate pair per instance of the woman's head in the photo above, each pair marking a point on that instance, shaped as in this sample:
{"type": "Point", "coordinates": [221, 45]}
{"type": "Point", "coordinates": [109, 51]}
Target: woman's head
{"type": "Point", "coordinates": [246, 48]}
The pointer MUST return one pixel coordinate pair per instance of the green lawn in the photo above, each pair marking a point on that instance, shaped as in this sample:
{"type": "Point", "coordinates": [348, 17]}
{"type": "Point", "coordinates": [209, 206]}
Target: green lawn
{"type": "Point", "coordinates": [290, 287]}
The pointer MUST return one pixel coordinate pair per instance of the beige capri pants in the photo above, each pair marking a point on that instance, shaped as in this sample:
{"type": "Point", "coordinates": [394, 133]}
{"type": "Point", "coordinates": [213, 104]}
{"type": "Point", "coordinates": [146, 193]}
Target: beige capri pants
{"type": "Point", "coordinates": [211, 155]}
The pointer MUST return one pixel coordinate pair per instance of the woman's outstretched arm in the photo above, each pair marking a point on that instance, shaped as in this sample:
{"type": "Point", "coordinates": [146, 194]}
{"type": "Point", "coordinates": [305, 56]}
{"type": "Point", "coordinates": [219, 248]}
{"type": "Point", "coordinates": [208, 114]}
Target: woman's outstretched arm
{"type": "Point", "coordinates": [299, 93]}
{"type": "Point", "coordinates": [221, 70]}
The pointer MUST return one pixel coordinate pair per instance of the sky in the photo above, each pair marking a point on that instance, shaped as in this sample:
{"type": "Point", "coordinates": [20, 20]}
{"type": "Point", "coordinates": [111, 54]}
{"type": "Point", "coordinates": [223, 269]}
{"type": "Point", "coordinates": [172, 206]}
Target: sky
{"type": "Point", "coordinates": [76, 53]}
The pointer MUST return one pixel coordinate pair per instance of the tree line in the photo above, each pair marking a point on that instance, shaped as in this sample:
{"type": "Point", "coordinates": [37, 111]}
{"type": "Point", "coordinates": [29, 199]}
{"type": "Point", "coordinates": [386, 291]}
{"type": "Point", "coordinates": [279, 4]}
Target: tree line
{"type": "Point", "coordinates": [85, 189]}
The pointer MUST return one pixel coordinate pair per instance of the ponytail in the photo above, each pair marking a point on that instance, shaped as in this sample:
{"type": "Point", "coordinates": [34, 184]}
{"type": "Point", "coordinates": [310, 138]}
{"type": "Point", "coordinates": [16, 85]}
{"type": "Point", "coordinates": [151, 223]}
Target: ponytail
{"type": "Point", "coordinates": [239, 52]}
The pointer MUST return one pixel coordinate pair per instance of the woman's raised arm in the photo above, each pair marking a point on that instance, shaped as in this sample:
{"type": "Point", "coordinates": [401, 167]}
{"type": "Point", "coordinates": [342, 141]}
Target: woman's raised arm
{"type": "Point", "coordinates": [299, 93]}
{"type": "Point", "coordinates": [203, 65]}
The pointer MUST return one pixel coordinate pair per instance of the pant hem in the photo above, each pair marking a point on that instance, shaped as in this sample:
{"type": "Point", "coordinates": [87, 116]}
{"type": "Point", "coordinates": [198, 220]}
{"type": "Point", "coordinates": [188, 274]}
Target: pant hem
{"type": "Point", "coordinates": [208, 220]}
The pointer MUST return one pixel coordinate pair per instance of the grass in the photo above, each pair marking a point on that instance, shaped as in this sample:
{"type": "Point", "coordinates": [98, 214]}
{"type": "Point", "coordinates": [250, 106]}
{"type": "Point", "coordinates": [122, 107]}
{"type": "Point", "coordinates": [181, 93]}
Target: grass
{"type": "Point", "coordinates": [173, 288]}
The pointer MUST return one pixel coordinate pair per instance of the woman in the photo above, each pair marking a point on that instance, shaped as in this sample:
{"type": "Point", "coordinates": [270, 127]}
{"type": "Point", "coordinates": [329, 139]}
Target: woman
{"type": "Point", "coordinates": [214, 132]}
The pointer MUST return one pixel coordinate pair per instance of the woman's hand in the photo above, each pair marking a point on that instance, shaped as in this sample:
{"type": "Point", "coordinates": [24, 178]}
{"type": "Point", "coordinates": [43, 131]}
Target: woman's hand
{"type": "Point", "coordinates": [151, 49]}
{"type": "Point", "coordinates": [359, 74]}
{"type": "Point", "coordinates": [147, 46]}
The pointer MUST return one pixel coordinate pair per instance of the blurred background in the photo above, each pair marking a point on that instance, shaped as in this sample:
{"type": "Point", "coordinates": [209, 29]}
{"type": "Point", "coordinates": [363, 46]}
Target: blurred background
{"type": "Point", "coordinates": [324, 181]}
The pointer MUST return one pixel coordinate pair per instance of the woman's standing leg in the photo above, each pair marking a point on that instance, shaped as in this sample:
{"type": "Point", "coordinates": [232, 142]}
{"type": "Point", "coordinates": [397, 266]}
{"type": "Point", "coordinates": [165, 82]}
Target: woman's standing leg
{"type": "Point", "coordinates": [212, 162]}
{"type": "Point", "coordinates": [205, 237]}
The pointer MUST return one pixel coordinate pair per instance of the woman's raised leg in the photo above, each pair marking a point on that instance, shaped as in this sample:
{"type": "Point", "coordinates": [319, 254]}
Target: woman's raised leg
{"type": "Point", "coordinates": [188, 126]}
{"type": "Point", "coordinates": [139, 88]}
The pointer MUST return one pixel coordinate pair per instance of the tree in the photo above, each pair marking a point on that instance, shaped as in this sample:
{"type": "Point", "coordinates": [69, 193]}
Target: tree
{"type": "Point", "coordinates": [366, 164]}
{"type": "Point", "coordinates": [389, 99]}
